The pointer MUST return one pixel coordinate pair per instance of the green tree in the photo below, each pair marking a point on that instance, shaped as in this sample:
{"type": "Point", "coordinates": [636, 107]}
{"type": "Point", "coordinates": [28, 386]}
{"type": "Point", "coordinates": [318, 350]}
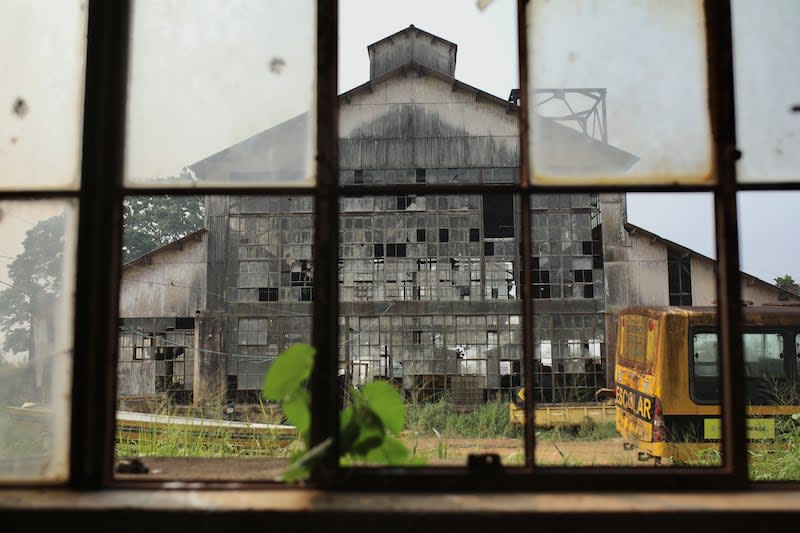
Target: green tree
{"type": "Point", "coordinates": [787, 283]}
{"type": "Point", "coordinates": [156, 220]}
{"type": "Point", "coordinates": [36, 281]}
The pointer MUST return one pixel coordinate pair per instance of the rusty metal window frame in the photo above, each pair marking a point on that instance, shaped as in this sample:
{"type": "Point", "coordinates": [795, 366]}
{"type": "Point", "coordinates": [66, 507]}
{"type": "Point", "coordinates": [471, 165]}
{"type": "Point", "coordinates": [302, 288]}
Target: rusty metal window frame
{"type": "Point", "coordinates": [98, 271]}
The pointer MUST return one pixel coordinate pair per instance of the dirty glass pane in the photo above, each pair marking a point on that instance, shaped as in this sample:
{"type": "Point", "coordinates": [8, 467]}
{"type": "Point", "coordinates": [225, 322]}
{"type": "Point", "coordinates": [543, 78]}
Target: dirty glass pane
{"type": "Point", "coordinates": [36, 300]}
{"type": "Point", "coordinates": [42, 56]}
{"type": "Point", "coordinates": [213, 289]}
{"type": "Point", "coordinates": [617, 92]}
{"type": "Point", "coordinates": [433, 102]}
{"type": "Point", "coordinates": [603, 395]}
{"type": "Point", "coordinates": [771, 351]}
{"type": "Point", "coordinates": [429, 304]}
{"type": "Point", "coordinates": [765, 48]}
{"type": "Point", "coordinates": [221, 93]}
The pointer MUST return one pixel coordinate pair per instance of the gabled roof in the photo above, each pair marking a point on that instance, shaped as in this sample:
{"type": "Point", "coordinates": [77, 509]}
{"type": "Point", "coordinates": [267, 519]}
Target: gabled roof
{"type": "Point", "coordinates": [413, 66]}
{"type": "Point", "coordinates": [634, 230]}
{"type": "Point", "coordinates": [147, 257]}
{"type": "Point", "coordinates": [409, 29]}
{"type": "Point", "coordinates": [280, 153]}
{"type": "Point", "coordinates": [276, 154]}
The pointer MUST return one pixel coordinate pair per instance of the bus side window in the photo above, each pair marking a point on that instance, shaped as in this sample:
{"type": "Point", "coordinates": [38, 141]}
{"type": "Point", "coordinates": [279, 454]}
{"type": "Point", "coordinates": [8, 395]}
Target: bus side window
{"type": "Point", "coordinates": [763, 355]}
{"type": "Point", "coordinates": [705, 362]}
{"type": "Point", "coordinates": [765, 370]}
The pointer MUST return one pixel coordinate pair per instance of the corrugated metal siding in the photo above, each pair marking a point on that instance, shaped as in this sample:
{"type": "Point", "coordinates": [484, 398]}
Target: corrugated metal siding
{"type": "Point", "coordinates": [704, 282]}
{"type": "Point", "coordinates": [133, 377]}
{"type": "Point", "coordinates": [174, 284]}
{"type": "Point", "coordinates": [760, 294]}
{"type": "Point", "coordinates": [412, 46]}
{"type": "Point", "coordinates": [636, 273]}
{"type": "Point", "coordinates": [217, 224]}
{"type": "Point", "coordinates": [435, 127]}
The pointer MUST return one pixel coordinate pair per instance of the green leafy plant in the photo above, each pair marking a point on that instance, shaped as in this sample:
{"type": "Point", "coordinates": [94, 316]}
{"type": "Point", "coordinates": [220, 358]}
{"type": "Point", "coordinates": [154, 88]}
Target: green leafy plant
{"type": "Point", "coordinates": [368, 427]}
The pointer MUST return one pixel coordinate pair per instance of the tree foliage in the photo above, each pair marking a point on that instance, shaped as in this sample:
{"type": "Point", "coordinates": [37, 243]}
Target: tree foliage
{"type": "Point", "coordinates": [156, 220]}
{"type": "Point", "coordinates": [36, 279]}
{"type": "Point", "coordinates": [787, 283]}
{"type": "Point", "coordinates": [35, 275]}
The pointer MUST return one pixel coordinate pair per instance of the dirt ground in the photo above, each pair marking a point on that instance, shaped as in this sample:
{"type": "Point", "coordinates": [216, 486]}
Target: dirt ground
{"type": "Point", "coordinates": [573, 453]}
{"type": "Point", "coordinates": [606, 452]}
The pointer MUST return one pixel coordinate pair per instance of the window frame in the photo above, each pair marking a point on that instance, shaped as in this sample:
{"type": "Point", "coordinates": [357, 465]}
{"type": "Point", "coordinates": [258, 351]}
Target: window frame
{"type": "Point", "coordinates": [98, 277]}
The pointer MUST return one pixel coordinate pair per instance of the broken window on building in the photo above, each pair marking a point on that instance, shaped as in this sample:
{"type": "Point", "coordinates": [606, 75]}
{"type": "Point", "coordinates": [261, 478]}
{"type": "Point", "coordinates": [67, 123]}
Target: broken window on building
{"type": "Point", "coordinates": [679, 277]}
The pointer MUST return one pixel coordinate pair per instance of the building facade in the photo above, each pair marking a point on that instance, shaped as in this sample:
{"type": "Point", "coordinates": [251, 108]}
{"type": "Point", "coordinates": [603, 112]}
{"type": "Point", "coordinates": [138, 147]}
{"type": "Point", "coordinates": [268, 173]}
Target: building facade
{"type": "Point", "coordinates": [429, 284]}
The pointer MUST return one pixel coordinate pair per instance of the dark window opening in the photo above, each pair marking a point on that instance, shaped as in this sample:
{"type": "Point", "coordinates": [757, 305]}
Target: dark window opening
{"type": "Point", "coordinates": [300, 275]}
{"type": "Point", "coordinates": [378, 250]}
{"type": "Point", "coordinates": [184, 322]}
{"type": "Point", "coordinates": [540, 276]}
{"type": "Point", "coordinates": [232, 386]}
{"type": "Point", "coordinates": [498, 215]}
{"type": "Point", "coordinates": [404, 201]}
{"type": "Point", "coordinates": [358, 177]}
{"type": "Point", "coordinates": [420, 235]}
{"type": "Point", "coordinates": [444, 235]}
{"type": "Point", "coordinates": [474, 235]}
{"type": "Point", "coordinates": [540, 280]}
{"type": "Point", "coordinates": [305, 294]}
{"type": "Point", "coordinates": [421, 175]}
{"type": "Point", "coordinates": [541, 291]}
{"type": "Point", "coordinates": [417, 334]}
{"type": "Point", "coordinates": [268, 294]}
{"type": "Point", "coordinates": [679, 276]}
{"type": "Point", "coordinates": [395, 250]}
{"type": "Point", "coordinates": [488, 248]}
{"type": "Point", "coordinates": [597, 247]}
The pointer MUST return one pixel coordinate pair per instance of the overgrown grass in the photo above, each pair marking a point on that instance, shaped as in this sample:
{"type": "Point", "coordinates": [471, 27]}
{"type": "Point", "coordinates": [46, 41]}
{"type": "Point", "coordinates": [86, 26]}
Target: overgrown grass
{"type": "Point", "coordinates": [441, 420]}
{"type": "Point", "coordinates": [489, 420]}
{"type": "Point", "coordinates": [588, 430]}
{"type": "Point", "coordinates": [782, 461]}
{"type": "Point", "coordinates": [185, 441]}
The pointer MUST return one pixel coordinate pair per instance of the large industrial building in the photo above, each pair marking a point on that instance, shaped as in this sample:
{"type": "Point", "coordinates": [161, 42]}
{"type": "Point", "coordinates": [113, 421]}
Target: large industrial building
{"type": "Point", "coordinates": [429, 284]}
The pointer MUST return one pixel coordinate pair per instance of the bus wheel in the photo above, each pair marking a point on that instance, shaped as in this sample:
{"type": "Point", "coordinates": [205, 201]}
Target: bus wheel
{"type": "Point", "coordinates": [644, 456]}
{"type": "Point", "coordinates": [627, 446]}
{"type": "Point", "coordinates": [657, 461]}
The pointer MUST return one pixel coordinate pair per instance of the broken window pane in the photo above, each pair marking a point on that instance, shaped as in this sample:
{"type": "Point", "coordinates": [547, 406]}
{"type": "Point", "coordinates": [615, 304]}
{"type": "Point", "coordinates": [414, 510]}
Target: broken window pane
{"type": "Point", "coordinates": [42, 57]}
{"type": "Point", "coordinates": [617, 92]}
{"type": "Point", "coordinates": [221, 93]}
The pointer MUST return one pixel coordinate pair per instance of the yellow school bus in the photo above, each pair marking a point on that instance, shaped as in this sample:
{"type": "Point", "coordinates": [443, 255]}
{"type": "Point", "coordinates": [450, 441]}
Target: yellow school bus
{"type": "Point", "coordinates": [668, 385]}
